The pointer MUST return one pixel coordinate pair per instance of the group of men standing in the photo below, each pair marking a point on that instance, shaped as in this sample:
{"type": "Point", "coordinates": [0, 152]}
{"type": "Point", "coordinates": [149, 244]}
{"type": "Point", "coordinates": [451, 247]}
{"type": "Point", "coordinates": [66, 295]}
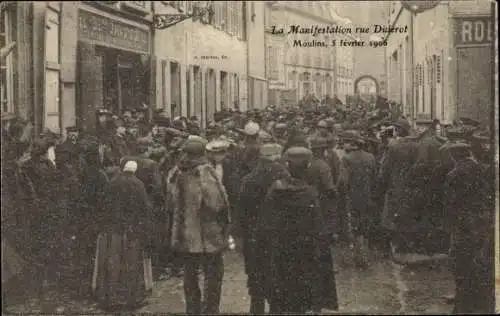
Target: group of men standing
{"type": "Point", "coordinates": [289, 184]}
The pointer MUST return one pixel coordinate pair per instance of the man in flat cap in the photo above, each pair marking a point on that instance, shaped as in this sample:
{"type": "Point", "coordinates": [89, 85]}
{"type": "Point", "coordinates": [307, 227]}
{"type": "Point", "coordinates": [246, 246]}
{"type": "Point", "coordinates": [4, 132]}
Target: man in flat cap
{"type": "Point", "coordinates": [193, 188]}
{"type": "Point", "coordinates": [291, 226]}
{"type": "Point", "coordinates": [254, 187]}
{"type": "Point", "coordinates": [470, 217]}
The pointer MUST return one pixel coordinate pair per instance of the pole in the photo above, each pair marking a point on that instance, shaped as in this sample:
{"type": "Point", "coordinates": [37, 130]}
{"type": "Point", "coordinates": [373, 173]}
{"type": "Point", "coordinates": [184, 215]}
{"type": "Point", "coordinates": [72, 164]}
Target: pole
{"type": "Point", "coordinates": [413, 75]}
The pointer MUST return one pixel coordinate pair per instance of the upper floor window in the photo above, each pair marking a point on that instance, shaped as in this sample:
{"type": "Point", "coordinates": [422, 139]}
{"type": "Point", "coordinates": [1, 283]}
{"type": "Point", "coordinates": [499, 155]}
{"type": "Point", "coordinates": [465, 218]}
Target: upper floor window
{"type": "Point", "coordinates": [7, 38]}
{"type": "Point", "coordinates": [273, 57]}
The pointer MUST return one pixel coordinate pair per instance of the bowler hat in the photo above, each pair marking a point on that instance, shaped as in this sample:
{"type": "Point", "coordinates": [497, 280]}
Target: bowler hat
{"type": "Point", "coordinates": [318, 142]}
{"type": "Point", "coordinates": [352, 136]}
{"type": "Point", "coordinates": [298, 155]}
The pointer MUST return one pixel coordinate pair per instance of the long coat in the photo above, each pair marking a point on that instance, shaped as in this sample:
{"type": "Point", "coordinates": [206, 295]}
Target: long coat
{"type": "Point", "coordinates": [200, 208]}
{"type": "Point", "coordinates": [122, 274]}
{"type": "Point", "coordinates": [356, 181]}
{"type": "Point", "coordinates": [292, 226]}
{"type": "Point", "coordinates": [397, 162]}
{"type": "Point", "coordinates": [254, 187]}
{"type": "Point", "coordinates": [465, 202]}
{"type": "Point", "coordinates": [45, 218]}
{"type": "Point", "coordinates": [320, 177]}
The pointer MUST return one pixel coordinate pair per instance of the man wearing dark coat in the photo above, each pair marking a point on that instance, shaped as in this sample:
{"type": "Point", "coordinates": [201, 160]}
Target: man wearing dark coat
{"type": "Point", "coordinates": [119, 146]}
{"type": "Point", "coordinates": [254, 187]}
{"type": "Point", "coordinates": [470, 223]}
{"type": "Point", "coordinates": [70, 145]}
{"type": "Point", "coordinates": [320, 177]}
{"type": "Point", "coordinates": [356, 181]}
{"type": "Point", "coordinates": [396, 164]}
{"type": "Point", "coordinates": [292, 226]}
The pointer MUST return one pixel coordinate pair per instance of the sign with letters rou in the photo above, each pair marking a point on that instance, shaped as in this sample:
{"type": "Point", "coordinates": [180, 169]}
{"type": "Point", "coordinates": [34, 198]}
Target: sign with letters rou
{"type": "Point", "coordinates": [106, 31]}
{"type": "Point", "coordinates": [472, 31]}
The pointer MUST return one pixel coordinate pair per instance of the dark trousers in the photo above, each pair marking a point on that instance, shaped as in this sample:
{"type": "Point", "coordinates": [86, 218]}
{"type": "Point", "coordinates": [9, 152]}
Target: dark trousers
{"type": "Point", "coordinates": [213, 270]}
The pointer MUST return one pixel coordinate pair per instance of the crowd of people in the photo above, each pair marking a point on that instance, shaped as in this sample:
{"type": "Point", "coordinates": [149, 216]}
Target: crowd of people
{"type": "Point", "coordinates": [106, 209]}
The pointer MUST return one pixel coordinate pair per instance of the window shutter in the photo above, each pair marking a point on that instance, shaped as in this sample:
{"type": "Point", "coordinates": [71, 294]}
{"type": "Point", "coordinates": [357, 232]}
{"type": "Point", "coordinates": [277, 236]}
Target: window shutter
{"type": "Point", "coordinates": [438, 69]}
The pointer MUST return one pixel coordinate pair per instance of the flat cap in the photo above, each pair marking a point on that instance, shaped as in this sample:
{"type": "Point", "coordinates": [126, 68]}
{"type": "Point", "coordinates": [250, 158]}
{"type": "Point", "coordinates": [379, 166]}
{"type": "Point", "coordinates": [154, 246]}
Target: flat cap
{"type": "Point", "coordinates": [199, 139]}
{"type": "Point", "coordinates": [194, 147]}
{"type": "Point", "coordinates": [402, 123]}
{"type": "Point", "coordinates": [217, 146]}
{"type": "Point", "coordinates": [455, 146]}
{"type": "Point", "coordinates": [271, 151]}
{"type": "Point", "coordinates": [175, 132]}
{"type": "Point", "coordinates": [318, 142]}
{"type": "Point", "coordinates": [352, 135]}
{"type": "Point", "coordinates": [265, 137]}
{"type": "Point", "coordinates": [103, 111]}
{"type": "Point", "coordinates": [470, 122]}
{"type": "Point", "coordinates": [144, 141]}
{"type": "Point", "coordinates": [162, 121]}
{"type": "Point", "coordinates": [298, 155]}
{"type": "Point", "coordinates": [280, 126]}
{"type": "Point", "coordinates": [323, 124]}
{"type": "Point", "coordinates": [72, 129]}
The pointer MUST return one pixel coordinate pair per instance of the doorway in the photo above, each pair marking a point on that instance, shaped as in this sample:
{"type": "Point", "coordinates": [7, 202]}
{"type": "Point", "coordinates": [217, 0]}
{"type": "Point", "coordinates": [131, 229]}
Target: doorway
{"type": "Point", "coordinates": [126, 80]}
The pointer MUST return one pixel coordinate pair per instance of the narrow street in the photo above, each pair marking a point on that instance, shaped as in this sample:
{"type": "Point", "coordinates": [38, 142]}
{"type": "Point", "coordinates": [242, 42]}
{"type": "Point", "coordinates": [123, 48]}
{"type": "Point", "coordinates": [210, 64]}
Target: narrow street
{"type": "Point", "coordinates": [384, 288]}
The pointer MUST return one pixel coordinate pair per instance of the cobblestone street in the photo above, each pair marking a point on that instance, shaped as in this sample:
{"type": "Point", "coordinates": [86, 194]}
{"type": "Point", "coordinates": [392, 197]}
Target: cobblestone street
{"type": "Point", "coordinates": [384, 288]}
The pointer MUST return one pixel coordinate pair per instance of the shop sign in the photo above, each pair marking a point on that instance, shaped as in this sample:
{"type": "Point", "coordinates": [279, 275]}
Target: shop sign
{"type": "Point", "coordinates": [109, 32]}
{"type": "Point", "coordinates": [473, 31]}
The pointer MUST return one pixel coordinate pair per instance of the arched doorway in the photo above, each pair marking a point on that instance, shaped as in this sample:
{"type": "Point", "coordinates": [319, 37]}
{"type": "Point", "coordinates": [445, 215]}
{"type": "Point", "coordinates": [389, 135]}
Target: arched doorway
{"type": "Point", "coordinates": [366, 87]}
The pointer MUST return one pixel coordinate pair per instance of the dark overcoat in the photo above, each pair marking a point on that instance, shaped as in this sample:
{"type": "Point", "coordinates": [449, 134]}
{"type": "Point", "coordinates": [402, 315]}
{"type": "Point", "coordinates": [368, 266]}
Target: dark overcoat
{"type": "Point", "coordinates": [396, 165]}
{"type": "Point", "coordinates": [254, 187]}
{"type": "Point", "coordinates": [356, 181]}
{"type": "Point", "coordinates": [466, 202]}
{"type": "Point", "coordinates": [292, 226]}
{"type": "Point", "coordinates": [126, 207]}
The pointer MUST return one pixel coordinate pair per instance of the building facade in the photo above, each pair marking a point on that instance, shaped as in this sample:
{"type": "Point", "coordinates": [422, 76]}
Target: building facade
{"type": "Point", "coordinates": [296, 71]}
{"type": "Point", "coordinates": [370, 61]}
{"type": "Point", "coordinates": [441, 69]}
{"type": "Point", "coordinates": [74, 57]}
{"type": "Point", "coordinates": [256, 52]}
{"type": "Point", "coordinates": [202, 66]}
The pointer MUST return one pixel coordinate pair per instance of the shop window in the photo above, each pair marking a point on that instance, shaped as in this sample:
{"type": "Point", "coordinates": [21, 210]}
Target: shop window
{"type": "Point", "coordinates": [273, 63]}
{"type": "Point", "coordinates": [7, 37]}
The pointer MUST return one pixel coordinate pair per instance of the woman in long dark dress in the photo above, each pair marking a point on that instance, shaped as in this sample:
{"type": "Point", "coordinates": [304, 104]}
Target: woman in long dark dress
{"type": "Point", "coordinates": [122, 275]}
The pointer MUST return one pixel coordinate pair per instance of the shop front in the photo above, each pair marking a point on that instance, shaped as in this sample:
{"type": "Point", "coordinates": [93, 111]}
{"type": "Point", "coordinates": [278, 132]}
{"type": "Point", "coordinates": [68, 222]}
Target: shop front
{"type": "Point", "coordinates": [113, 64]}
